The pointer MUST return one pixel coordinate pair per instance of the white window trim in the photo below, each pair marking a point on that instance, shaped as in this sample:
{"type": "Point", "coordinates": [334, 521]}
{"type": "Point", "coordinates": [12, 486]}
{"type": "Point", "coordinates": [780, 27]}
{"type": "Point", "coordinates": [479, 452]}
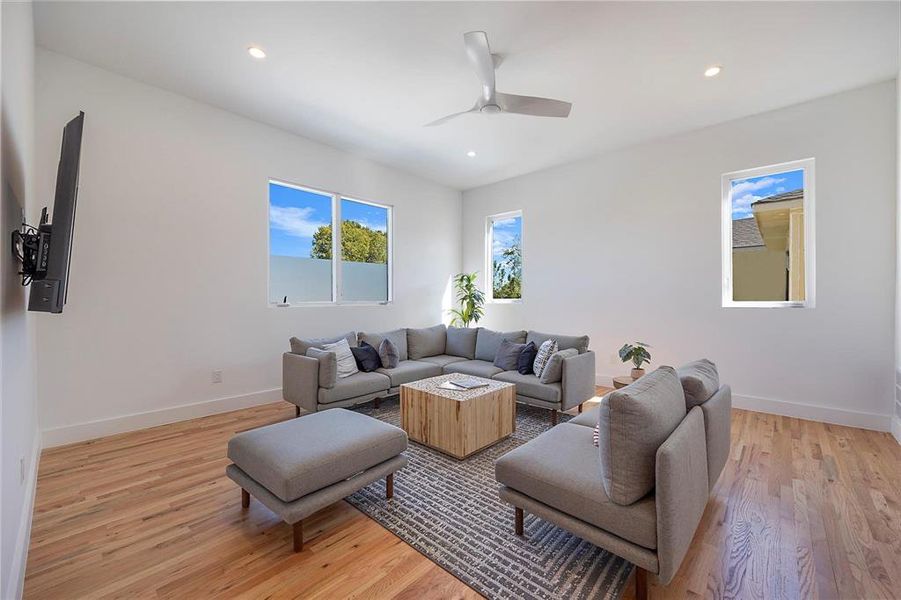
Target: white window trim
{"type": "Point", "coordinates": [807, 166]}
{"type": "Point", "coordinates": [489, 266]}
{"type": "Point", "coordinates": [336, 249]}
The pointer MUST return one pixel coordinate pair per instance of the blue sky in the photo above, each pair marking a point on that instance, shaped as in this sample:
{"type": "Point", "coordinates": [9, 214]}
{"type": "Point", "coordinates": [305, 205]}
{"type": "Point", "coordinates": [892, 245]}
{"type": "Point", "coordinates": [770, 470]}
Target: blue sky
{"type": "Point", "coordinates": [294, 215]}
{"type": "Point", "coordinates": [505, 231]}
{"type": "Point", "coordinates": [752, 189]}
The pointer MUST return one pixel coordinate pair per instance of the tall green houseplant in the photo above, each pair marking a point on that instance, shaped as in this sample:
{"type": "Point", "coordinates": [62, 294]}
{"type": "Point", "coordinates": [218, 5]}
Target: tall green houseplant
{"type": "Point", "coordinates": [470, 298]}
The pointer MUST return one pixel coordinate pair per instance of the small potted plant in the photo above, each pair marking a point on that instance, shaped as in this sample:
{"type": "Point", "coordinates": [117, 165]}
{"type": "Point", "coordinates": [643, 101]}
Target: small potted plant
{"type": "Point", "coordinates": [471, 299]}
{"type": "Point", "coordinates": [638, 354]}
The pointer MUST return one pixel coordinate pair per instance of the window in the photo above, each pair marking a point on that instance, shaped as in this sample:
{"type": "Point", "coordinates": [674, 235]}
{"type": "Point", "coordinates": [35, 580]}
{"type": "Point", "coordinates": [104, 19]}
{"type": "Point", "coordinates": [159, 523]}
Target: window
{"type": "Point", "coordinates": [504, 252]}
{"type": "Point", "coordinates": [768, 236]}
{"type": "Point", "coordinates": [302, 243]}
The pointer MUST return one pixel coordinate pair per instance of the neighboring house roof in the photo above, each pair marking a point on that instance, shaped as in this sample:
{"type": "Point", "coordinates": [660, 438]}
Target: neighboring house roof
{"type": "Point", "coordinates": [745, 233]}
{"type": "Point", "coordinates": [784, 197]}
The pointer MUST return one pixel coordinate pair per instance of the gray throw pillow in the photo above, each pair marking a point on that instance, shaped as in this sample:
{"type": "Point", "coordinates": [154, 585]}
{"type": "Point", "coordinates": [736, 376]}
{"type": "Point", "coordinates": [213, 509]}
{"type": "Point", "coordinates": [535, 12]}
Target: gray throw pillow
{"type": "Point", "coordinates": [545, 351]}
{"type": "Point", "coordinates": [388, 354]}
{"type": "Point", "coordinates": [347, 365]}
{"type": "Point", "coordinates": [461, 341]}
{"type": "Point", "coordinates": [328, 366]}
{"type": "Point", "coordinates": [301, 345]}
{"type": "Point", "coordinates": [632, 424]}
{"type": "Point", "coordinates": [430, 341]}
{"type": "Point", "coordinates": [398, 337]}
{"type": "Point", "coordinates": [699, 380]}
{"type": "Point", "coordinates": [579, 342]}
{"type": "Point", "coordinates": [508, 355]}
{"type": "Point", "coordinates": [553, 370]}
{"type": "Point", "coordinates": [488, 341]}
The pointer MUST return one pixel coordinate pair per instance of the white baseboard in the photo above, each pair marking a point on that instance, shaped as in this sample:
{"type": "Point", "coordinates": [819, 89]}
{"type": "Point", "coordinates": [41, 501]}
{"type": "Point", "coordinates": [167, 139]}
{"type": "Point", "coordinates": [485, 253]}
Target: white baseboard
{"type": "Point", "coordinates": [90, 430]}
{"type": "Point", "coordinates": [896, 429]}
{"type": "Point", "coordinates": [16, 583]}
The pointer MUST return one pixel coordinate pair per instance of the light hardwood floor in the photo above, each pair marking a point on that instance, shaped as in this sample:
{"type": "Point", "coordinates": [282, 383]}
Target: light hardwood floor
{"type": "Point", "coordinates": [802, 510]}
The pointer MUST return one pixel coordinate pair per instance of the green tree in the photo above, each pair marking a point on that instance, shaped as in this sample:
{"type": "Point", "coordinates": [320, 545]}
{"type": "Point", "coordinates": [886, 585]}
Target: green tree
{"type": "Point", "coordinates": [507, 280]}
{"type": "Point", "coordinates": [358, 243]}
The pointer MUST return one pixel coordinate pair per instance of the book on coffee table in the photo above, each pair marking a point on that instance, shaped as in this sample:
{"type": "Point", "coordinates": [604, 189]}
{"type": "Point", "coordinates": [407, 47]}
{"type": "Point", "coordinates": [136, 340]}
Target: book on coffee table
{"type": "Point", "coordinates": [469, 383]}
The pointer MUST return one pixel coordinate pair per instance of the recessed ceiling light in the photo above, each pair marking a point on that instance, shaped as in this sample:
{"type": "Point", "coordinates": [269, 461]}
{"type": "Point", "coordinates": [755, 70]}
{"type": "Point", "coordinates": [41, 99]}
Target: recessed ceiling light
{"type": "Point", "coordinates": [713, 71]}
{"type": "Point", "coordinates": [256, 52]}
{"type": "Point", "coordinates": [471, 154]}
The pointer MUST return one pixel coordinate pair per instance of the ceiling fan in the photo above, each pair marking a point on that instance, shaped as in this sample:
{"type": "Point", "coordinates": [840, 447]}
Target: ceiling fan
{"type": "Point", "coordinates": [491, 101]}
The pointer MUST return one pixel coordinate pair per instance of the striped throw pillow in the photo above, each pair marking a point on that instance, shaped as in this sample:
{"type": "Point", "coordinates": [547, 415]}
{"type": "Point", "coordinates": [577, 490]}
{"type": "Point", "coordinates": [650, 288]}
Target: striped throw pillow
{"type": "Point", "coordinates": [547, 349]}
{"type": "Point", "coordinates": [596, 436]}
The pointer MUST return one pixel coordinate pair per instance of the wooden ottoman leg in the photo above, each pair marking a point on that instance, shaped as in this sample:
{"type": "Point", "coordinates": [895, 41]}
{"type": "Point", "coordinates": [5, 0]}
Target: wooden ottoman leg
{"type": "Point", "coordinates": [245, 498]}
{"type": "Point", "coordinates": [389, 486]}
{"type": "Point", "coordinates": [641, 584]}
{"type": "Point", "coordinates": [298, 536]}
{"type": "Point", "coordinates": [580, 409]}
{"type": "Point", "coordinates": [519, 517]}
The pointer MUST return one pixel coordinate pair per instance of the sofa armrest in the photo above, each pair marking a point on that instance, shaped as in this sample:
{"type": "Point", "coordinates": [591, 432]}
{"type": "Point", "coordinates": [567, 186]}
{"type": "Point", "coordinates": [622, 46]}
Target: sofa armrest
{"type": "Point", "coordinates": [300, 380]}
{"type": "Point", "coordinates": [718, 423]}
{"type": "Point", "coordinates": [578, 380]}
{"type": "Point", "coordinates": [681, 491]}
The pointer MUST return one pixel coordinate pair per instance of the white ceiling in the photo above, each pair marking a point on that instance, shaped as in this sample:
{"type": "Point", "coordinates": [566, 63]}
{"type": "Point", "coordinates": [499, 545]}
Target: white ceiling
{"type": "Point", "coordinates": [365, 77]}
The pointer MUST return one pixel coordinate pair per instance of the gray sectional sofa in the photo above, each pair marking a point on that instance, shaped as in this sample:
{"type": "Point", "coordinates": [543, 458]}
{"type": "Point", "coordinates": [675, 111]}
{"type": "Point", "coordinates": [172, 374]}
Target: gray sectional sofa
{"type": "Point", "coordinates": [662, 443]}
{"type": "Point", "coordinates": [432, 351]}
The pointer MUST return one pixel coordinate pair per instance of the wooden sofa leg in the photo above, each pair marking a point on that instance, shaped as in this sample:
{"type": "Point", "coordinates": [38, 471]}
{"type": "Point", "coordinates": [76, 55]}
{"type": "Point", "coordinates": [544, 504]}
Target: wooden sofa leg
{"type": "Point", "coordinates": [641, 584]}
{"type": "Point", "coordinates": [519, 517]}
{"type": "Point", "coordinates": [553, 417]}
{"type": "Point", "coordinates": [296, 411]}
{"type": "Point", "coordinates": [580, 409]}
{"type": "Point", "coordinates": [376, 402]}
{"type": "Point", "coordinates": [298, 536]}
{"type": "Point", "coordinates": [389, 486]}
{"type": "Point", "coordinates": [245, 498]}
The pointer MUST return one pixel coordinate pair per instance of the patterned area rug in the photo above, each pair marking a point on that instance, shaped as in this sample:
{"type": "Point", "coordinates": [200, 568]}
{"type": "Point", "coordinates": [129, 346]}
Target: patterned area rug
{"type": "Point", "coordinates": [449, 511]}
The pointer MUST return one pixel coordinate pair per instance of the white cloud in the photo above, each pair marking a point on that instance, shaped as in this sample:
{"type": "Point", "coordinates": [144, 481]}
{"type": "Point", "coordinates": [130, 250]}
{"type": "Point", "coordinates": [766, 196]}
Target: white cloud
{"type": "Point", "coordinates": [374, 226]}
{"type": "Point", "coordinates": [505, 222]}
{"type": "Point", "coordinates": [501, 240]}
{"type": "Point", "coordinates": [741, 207]}
{"type": "Point", "coordinates": [748, 185]}
{"type": "Point", "coordinates": [294, 221]}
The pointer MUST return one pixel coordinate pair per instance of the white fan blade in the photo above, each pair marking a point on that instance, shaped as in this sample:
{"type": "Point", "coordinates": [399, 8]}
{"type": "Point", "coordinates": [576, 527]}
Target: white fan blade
{"type": "Point", "coordinates": [531, 105]}
{"type": "Point", "coordinates": [453, 116]}
{"type": "Point", "coordinates": [479, 54]}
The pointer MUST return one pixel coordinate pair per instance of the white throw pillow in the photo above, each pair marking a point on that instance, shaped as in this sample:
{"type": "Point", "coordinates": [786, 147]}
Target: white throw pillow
{"type": "Point", "coordinates": [347, 366]}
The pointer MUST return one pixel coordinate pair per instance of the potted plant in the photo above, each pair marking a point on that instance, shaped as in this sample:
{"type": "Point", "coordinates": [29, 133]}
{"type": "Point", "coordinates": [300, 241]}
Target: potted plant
{"type": "Point", "coordinates": [638, 354]}
{"type": "Point", "coordinates": [471, 299]}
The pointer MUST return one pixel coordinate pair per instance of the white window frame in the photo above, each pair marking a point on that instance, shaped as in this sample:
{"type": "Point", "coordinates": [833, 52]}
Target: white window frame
{"type": "Point", "coordinates": [337, 290]}
{"type": "Point", "coordinates": [807, 166]}
{"type": "Point", "coordinates": [489, 263]}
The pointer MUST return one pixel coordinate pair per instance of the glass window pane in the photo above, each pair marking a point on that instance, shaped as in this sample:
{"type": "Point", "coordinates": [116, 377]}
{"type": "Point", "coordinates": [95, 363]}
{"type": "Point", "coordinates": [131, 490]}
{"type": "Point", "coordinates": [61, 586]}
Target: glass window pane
{"type": "Point", "coordinates": [364, 251]}
{"type": "Point", "coordinates": [768, 237]}
{"type": "Point", "coordinates": [300, 245]}
{"type": "Point", "coordinates": [506, 258]}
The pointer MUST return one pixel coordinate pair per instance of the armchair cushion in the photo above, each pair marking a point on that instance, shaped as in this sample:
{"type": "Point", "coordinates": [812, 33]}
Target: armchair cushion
{"type": "Point", "coordinates": [529, 385]}
{"type": "Point", "coordinates": [488, 341]}
{"type": "Point", "coordinates": [634, 421]}
{"type": "Point", "coordinates": [328, 366]}
{"type": "Point", "coordinates": [429, 341]}
{"type": "Point", "coordinates": [479, 368]}
{"type": "Point", "coordinates": [410, 370]}
{"type": "Point", "coordinates": [301, 345]}
{"type": "Point", "coordinates": [699, 380]}
{"type": "Point", "coordinates": [461, 341]}
{"type": "Point", "coordinates": [358, 384]}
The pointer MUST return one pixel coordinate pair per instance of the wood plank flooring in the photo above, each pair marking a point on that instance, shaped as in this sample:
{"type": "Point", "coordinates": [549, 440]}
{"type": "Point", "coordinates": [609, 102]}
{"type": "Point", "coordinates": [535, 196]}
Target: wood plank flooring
{"type": "Point", "coordinates": [803, 510]}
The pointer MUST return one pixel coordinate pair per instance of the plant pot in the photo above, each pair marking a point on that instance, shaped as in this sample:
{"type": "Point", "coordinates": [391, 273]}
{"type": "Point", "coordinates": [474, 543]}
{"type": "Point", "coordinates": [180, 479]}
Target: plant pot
{"type": "Point", "coordinates": [637, 373]}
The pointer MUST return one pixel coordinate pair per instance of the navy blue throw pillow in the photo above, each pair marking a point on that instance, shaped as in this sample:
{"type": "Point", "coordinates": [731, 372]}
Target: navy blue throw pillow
{"type": "Point", "coordinates": [367, 357]}
{"type": "Point", "coordinates": [526, 358]}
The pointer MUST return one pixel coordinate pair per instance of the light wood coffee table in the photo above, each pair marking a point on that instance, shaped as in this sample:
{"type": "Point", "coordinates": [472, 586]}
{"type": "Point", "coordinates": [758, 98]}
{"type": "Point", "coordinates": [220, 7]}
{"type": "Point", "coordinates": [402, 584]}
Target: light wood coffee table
{"type": "Point", "coordinates": [458, 423]}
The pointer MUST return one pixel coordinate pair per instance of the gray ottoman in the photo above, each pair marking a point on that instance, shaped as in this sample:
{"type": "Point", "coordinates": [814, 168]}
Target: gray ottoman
{"type": "Point", "coordinates": [300, 466]}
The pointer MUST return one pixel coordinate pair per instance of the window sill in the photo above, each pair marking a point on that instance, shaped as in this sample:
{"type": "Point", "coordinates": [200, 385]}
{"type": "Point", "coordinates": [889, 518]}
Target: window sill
{"type": "Point", "coordinates": [505, 301]}
{"type": "Point", "coordinates": [322, 304]}
{"type": "Point", "coordinates": [762, 304]}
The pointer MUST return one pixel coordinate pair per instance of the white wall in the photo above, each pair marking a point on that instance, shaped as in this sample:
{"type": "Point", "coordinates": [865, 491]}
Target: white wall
{"type": "Point", "coordinates": [626, 246]}
{"type": "Point", "coordinates": [168, 278]}
{"type": "Point", "coordinates": [20, 439]}
{"type": "Point", "coordinates": [896, 420]}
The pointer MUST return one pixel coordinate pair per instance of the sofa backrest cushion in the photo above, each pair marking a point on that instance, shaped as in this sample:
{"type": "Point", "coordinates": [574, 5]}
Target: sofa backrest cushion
{"type": "Point", "coordinates": [507, 356]}
{"type": "Point", "coordinates": [633, 422]}
{"type": "Point", "coordinates": [488, 342]}
{"type": "Point", "coordinates": [461, 341]}
{"type": "Point", "coordinates": [699, 380]}
{"type": "Point", "coordinates": [579, 342]}
{"type": "Point", "coordinates": [301, 345]}
{"type": "Point", "coordinates": [398, 337]}
{"type": "Point", "coordinates": [328, 366]}
{"type": "Point", "coordinates": [553, 370]}
{"type": "Point", "coordinates": [429, 341]}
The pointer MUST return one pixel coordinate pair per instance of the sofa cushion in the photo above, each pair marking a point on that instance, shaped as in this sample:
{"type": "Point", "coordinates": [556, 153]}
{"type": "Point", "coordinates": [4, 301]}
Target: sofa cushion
{"type": "Point", "coordinates": [526, 360]}
{"type": "Point", "coordinates": [461, 341]}
{"type": "Point", "coordinates": [507, 356]}
{"type": "Point", "coordinates": [553, 371]}
{"type": "Point", "coordinates": [367, 357]}
{"type": "Point", "coordinates": [358, 384]}
{"type": "Point", "coordinates": [479, 368]}
{"type": "Point", "coordinates": [589, 418]}
{"type": "Point", "coordinates": [442, 359]}
{"type": "Point", "coordinates": [301, 345]}
{"type": "Point", "coordinates": [344, 358]}
{"type": "Point", "coordinates": [560, 468]}
{"type": "Point", "coordinates": [579, 342]}
{"type": "Point", "coordinates": [488, 341]}
{"type": "Point", "coordinates": [328, 366]}
{"type": "Point", "coordinates": [634, 421]}
{"type": "Point", "coordinates": [411, 370]}
{"type": "Point", "coordinates": [300, 456]}
{"type": "Point", "coordinates": [529, 385]}
{"type": "Point", "coordinates": [699, 380]}
{"type": "Point", "coordinates": [543, 356]}
{"type": "Point", "coordinates": [429, 341]}
{"type": "Point", "coordinates": [398, 337]}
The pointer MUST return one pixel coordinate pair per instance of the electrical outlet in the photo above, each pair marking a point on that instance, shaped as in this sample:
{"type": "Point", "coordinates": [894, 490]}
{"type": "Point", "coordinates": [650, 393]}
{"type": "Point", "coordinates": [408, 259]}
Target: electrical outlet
{"type": "Point", "coordinates": [217, 376]}
{"type": "Point", "coordinates": [22, 470]}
